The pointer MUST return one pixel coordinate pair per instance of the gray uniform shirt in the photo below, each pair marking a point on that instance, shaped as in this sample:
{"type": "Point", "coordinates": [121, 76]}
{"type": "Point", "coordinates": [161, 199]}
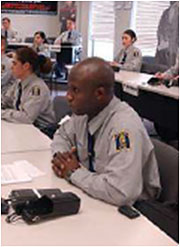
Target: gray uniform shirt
{"type": "Point", "coordinates": [6, 74]}
{"type": "Point", "coordinates": [174, 70]}
{"type": "Point", "coordinates": [11, 34]}
{"type": "Point", "coordinates": [133, 61]}
{"type": "Point", "coordinates": [43, 49]}
{"type": "Point", "coordinates": [35, 103]}
{"type": "Point", "coordinates": [125, 163]}
{"type": "Point", "coordinates": [75, 38]}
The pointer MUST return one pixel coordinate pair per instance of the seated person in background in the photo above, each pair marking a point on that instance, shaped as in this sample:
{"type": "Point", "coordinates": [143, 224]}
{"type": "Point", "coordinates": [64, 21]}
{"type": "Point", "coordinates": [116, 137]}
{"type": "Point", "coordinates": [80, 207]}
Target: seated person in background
{"type": "Point", "coordinates": [129, 57]}
{"type": "Point", "coordinates": [104, 148]}
{"type": "Point", "coordinates": [7, 31]}
{"type": "Point", "coordinates": [6, 64]}
{"type": "Point", "coordinates": [172, 73]}
{"type": "Point", "coordinates": [28, 100]}
{"type": "Point", "coordinates": [71, 35]}
{"type": "Point", "coordinates": [40, 44]}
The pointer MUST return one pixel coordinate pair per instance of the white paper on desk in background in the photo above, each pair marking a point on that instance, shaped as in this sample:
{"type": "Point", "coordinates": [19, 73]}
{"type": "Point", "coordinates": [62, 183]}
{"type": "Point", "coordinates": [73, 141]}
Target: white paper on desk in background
{"type": "Point", "coordinates": [131, 88]}
{"type": "Point", "coordinates": [18, 172]}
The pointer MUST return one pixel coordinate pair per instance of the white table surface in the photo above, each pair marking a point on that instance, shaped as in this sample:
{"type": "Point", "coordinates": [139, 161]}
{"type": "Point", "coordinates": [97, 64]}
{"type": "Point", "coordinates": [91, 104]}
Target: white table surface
{"type": "Point", "coordinates": [52, 47]}
{"type": "Point", "coordinates": [97, 223]}
{"type": "Point", "coordinates": [139, 80]}
{"type": "Point", "coordinates": [22, 137]}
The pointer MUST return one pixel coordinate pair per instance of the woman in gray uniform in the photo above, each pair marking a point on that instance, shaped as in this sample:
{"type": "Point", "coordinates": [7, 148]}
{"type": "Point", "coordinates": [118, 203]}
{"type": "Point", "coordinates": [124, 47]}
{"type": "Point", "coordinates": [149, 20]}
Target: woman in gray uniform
{"type": "Point", "coordinates": [6, 63]}
{"type": "Point", "coordinates": [130, 57]}
{"type": "Point", "coordinates": [40, 44]}
{"type": "Point", "coordinates": [28, 100]}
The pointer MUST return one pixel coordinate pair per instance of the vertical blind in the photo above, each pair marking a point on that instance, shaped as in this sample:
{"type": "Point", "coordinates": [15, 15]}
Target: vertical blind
{"type": "Point", "coordinates": [147, 17]}
{"type": "Point", "coordinates": [103, 21]}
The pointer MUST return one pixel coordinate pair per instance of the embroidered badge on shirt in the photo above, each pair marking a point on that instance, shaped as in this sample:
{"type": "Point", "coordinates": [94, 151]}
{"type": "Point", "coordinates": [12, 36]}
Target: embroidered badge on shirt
{"type": "Point", "coordinates": [36, 91]}
{"type": "Point", "coordinates": [136, 54]}
{"type": "Point", "coordinates": [122, 141]}
{"type": "Point", "coordinates": [3, 67]}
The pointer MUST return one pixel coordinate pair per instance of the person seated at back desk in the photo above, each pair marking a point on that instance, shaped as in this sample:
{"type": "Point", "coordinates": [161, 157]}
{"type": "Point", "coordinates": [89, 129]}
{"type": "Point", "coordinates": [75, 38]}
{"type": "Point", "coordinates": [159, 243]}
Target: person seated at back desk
{"type": "Point", "coordinates": [171, 73]}
{"type": "Point", "coordinates": [7, 31]}
{"type": "Point", "coordinates": [104, 148]}
{"type": "Point", "coordinates": [171, 76]}
{"type": "Point", "coordinates": [40, 44]}
{"type": "Point", "coordinates": [28, 100]}
{"type": "Point", "coordinates": [130, 57]}
{"type": "Point", "coordinates": [6, 63]}
{"type": "Point", "coordinates": [71, 36]}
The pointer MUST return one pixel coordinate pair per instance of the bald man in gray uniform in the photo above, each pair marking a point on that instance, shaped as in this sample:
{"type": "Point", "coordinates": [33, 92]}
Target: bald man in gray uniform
{"type": "Point", "coordinates": [104, 148]}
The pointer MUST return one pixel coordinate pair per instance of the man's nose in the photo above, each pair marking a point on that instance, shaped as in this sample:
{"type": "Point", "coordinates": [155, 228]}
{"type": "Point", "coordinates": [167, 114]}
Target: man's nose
{"type": "Point", "coordinates": [69, 96]}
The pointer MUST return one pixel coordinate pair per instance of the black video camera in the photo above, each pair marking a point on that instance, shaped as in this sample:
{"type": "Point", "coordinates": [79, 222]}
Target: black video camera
{"type": "Point", "coordinates": [36, 205]}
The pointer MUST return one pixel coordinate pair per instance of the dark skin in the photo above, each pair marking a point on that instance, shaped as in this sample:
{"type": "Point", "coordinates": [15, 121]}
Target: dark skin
{"type": "Point", "coordinates": [90, 89]}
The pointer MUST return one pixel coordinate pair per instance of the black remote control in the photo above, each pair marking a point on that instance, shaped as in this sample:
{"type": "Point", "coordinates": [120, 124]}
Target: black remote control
{"type": "Point", "coordinates": [129, 211]}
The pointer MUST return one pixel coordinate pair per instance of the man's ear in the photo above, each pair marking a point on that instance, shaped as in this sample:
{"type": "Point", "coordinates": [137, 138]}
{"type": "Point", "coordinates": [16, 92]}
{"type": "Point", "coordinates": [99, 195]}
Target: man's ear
{"type": "Point", "coordinates": [27, 66]}
{"type": "Point", "coordinates": [100, 93]}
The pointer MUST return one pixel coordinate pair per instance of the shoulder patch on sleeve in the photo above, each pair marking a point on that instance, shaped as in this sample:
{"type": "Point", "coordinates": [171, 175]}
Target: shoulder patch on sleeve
{"type": "Point", "coordinates": [122, 141]}
{"type": "Point", "coordinates": [36, 91]}
{"type": "Point", "coordinates": [3, 67]}
{"type": "Point", "coordinates": [136, 53]}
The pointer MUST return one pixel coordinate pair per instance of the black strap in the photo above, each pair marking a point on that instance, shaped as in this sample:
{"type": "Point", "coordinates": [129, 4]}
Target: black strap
{"type": "Point", "coordinates": [6, 34]}
{"type": "Point", "coordinates": [91, 153]}
{"type": "Point", "coordinates": [69, 35]}
{"type": "Point", "coordinates": [19, 93]}
{"type": "Point", "coordinates": [124, 58]}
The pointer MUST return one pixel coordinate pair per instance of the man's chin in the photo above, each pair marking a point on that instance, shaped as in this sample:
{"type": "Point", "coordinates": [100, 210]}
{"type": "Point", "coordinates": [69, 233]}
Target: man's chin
{"type": "Point", "coordinates": [77, 112]}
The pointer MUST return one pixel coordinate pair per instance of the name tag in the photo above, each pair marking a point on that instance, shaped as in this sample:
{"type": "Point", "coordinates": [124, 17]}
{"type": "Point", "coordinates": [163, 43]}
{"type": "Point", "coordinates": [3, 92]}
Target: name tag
{"type": "Point", "coordinates": [130, 89]}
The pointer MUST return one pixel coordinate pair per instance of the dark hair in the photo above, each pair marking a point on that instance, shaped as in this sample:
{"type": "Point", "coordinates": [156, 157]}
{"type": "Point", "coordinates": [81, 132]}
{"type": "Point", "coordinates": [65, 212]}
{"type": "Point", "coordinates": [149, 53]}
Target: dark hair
{"type": "Point", "coordinates": [4, 38]}
{"type": "Point", "coordinates": [39, 63]}
{"type": "Point", "coordinates": [42, 35]}
{"type": "Point", "coordinates": [131, 33]}
{"type": "Point", "coordinates": [71, 19]}
{"type": "Point", "coordinates": [6, 19]}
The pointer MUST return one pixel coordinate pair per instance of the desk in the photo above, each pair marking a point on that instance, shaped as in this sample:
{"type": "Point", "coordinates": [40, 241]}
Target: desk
{"type": "Point", "coordinates": [53, 48]}
{"type": "Point", "coordinates": [15, 45]}
{"type": "Point", "coordinates": [97, 223]}
{"type": "Point", "coordinates": [158, 104]}
{"type": "Point", "coordinates": [21, 138]}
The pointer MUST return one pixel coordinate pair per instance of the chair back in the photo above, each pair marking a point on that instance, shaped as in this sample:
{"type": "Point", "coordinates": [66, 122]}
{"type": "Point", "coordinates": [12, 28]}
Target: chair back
{"type": "Point", "coordinates": [168, 163]}
{"type": "Point", "coordinates": [61, 107]}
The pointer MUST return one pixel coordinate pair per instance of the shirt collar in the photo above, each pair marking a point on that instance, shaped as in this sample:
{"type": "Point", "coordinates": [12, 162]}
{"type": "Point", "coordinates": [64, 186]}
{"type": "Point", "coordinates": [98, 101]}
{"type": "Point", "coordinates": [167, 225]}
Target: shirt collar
{"type": "Point", "coordinates": [98, 120]}
{"type": "Point", "coordinates": [129, 48]}
{"type": "Point", "coordinates": [28, 80]}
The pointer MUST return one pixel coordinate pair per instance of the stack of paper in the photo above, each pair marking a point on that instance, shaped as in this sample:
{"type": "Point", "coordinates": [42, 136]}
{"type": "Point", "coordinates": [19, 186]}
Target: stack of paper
{"type": "Point", "coordinates": [18, 172]}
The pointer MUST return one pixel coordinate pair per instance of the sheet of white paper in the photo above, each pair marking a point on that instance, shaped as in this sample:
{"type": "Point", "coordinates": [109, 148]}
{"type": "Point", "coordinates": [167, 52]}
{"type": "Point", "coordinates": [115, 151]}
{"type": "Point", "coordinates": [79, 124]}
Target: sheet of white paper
{"type": "Point", "coordinates": [18, 172]}
{"type": "Point", "coordinates": [30, 169]}
{"type": "Point", "coordinates": [131, 89]}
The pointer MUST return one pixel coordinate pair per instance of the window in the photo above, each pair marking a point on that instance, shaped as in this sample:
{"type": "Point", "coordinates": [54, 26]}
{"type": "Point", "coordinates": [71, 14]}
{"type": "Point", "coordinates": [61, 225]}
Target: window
{"type": "Point", "coordinates": [102, 29]}
{"type": "Point", "coordinates": [147, 15]}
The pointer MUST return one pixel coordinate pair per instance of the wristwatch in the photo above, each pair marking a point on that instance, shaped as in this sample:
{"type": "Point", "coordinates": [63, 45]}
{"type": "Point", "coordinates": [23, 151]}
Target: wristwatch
{"type": "Point", "coordinates": [70, 172]}
{"type": "Point", "coordinates": [68, 175]}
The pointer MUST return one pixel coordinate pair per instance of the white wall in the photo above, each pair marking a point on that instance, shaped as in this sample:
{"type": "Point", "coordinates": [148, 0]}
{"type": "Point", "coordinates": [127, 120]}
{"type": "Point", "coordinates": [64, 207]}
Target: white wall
{"type": "Point", "coordinates": [27, 25]}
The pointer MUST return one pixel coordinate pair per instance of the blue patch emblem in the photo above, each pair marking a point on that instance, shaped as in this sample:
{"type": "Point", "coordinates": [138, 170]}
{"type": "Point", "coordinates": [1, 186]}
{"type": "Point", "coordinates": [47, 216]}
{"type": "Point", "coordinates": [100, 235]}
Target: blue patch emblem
{"type": "Point", "coordinates": [122, 141]}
